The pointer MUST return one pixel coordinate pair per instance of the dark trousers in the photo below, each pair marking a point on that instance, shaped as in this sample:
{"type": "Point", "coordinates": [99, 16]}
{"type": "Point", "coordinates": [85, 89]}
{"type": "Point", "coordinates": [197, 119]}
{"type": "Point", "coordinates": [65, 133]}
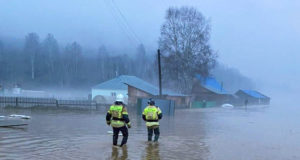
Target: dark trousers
{"type": "Point", "coordinates": [156, 133]}
{"type": "Point", "coordinates": [116, 131]}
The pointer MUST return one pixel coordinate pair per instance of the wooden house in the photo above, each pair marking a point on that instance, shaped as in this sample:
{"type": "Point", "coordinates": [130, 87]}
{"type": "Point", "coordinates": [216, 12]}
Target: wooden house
{"type": "Point", "coordinates": [252, 97]}
{"type": "Point", "coordinates": [133, 88]}
{"type": "Point", "coordinates": [209, 90]}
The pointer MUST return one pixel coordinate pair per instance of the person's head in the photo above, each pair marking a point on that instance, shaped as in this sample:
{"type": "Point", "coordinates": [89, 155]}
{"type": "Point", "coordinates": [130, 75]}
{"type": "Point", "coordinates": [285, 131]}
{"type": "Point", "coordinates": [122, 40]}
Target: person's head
{"type": "Point", "coordinates": [119, 99]}
{"type": "Point", "coordinates": [151, 102]}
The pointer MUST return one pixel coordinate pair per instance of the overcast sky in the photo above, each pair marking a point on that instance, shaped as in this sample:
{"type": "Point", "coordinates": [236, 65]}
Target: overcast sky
{"type": "Point", "coordinates": [259, 37]}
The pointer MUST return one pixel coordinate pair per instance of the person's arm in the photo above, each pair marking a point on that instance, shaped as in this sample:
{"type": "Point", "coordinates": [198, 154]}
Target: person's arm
{"type": "Point", "coordinates": [108, 117]}
{"type": "Point", "coordinates": [159, 113]}
{"type": "Point", "coordinates": [125, 117]}
{"type": "Point", "coordinates": [144, 115]}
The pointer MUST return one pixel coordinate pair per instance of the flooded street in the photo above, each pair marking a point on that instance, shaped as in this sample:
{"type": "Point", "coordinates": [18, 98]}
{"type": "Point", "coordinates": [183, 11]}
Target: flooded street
{"type": "Point", "coordinates": [214, 133]}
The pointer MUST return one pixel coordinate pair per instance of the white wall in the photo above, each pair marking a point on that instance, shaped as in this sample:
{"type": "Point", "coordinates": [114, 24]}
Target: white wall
{"type": "Point", "coordinates": [108, 93]}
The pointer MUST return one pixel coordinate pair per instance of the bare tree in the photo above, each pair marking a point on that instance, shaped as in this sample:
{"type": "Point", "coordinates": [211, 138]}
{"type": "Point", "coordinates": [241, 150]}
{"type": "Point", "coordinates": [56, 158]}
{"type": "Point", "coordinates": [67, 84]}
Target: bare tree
{"type": "Point", "coordinates": [141, 61]}
{"type": "Point", "coordinates": [184, 42]}
{"type": "Point", "coordinates": [49, 61]}
{"type": "Point", "coordinates": [32, 47]}
{"type": "Point", "coordinates": [50, 49]}
{"type": "Point", "coordinates": [2, 61]}
{"type": "Point", "coordinates": [71, 62]}
{"type": "Point", "coordinates": [101, 63]}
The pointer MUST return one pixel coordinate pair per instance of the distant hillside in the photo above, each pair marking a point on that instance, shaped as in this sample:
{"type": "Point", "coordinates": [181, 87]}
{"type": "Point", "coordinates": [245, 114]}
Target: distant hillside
{"type": "Point", "coordinates": [231, 78]}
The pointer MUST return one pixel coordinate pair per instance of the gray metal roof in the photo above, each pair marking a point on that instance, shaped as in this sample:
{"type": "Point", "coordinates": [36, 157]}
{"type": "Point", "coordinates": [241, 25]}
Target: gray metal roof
{"type": "Point", "coordinates": [113, 84]}
{"type": "Point", "coordinates": [121, 82]}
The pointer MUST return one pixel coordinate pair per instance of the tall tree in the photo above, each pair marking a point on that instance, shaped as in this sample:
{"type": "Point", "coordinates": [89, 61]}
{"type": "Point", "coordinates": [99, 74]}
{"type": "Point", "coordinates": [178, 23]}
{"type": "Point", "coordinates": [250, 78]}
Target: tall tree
{"type": "Point", "coordinates": [2, 56]}
{"type": "Point", "coordinates": [184, 42]}
{"type": "Point", "coordinates": [50, 49]}
{"type": "Point", "coordinates": [101, 63]}
{"type": "Point", "coordinates": [72, 61]}
{"type": "Point", "coordinates": [32, 47]}
{"type": "Point", "coordinates": [50, 61]}
{"type": "Point", "coordinates": [141, 61]}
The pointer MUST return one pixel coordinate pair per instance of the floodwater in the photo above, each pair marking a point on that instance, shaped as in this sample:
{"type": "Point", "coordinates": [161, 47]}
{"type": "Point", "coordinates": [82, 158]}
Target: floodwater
{"type": "Point", "coordinates": [264, 133]}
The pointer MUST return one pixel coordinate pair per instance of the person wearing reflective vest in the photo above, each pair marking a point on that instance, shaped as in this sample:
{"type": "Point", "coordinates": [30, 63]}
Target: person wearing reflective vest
{"type": "Point", "coordinates": [117, 117]}
{"type": "Point", "coordinates": [152, 114]}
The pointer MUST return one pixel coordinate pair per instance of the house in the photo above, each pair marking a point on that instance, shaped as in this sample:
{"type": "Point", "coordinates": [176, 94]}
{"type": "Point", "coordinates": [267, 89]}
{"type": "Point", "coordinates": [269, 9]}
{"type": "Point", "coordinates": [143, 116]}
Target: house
{"type": "Point", "coordinates": [252, 97]}
{"type": "Point", "coordinates": [133, 88]}
{"type": "Point", "coordinates": [209, 90]}
{"type": "Point", "coordinates": [138, 88]}
{"type": "Point", "coordinates": [106, 92]}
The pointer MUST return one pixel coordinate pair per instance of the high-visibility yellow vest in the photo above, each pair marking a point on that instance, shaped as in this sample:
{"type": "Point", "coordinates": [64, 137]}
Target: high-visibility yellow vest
{"type": "Point", "coordinates": [151, 114]}
{"type": "Point", "coordinates": [117, 113]}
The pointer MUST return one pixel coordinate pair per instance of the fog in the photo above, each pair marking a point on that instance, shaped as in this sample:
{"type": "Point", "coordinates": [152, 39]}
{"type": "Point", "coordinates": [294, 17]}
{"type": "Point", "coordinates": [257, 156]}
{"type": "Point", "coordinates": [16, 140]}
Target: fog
{"type": "Point", "coordinates": [259, 38]}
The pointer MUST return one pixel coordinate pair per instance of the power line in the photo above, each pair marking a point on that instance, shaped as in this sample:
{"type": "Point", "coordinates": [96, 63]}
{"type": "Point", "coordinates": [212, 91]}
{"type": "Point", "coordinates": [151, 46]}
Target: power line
{"type": "Point", "coordinates": [116, 18]}
{"type": "Point", "coordinates": [122, 22]}
{"type": "Point", "coordinates": [125, 20]}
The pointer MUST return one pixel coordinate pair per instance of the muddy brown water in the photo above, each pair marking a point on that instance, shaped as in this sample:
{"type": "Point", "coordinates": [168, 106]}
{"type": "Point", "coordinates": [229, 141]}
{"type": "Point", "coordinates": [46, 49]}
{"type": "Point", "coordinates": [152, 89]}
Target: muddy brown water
{"type": "Point", "coordinates": [215, 133]}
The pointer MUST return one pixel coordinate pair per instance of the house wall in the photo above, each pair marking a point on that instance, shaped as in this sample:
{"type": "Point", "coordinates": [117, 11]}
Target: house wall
{"type": "Point", "coordinates": [180, 102]}
{"type": "Point", "coordinates": [243, 97]}
{"type": "Point", "coordinates": [251, 100]}
{"type": "Point", "coordinates": [200, 94]}
{"type": "Point", "coordinates": [134, 94]}
{"type": "Point", "coordinates": [109, 95]}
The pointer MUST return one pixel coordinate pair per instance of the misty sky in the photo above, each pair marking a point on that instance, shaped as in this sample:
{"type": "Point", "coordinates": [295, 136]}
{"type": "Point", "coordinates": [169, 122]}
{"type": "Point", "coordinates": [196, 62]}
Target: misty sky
{"type": "Point", "coordinates": [260, 38]}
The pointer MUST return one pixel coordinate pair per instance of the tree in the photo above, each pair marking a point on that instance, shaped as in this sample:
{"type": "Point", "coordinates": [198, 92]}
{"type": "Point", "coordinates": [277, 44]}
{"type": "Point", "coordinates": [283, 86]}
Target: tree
{"type": "Point", "coordinates": [50, 50]}
{"type": "Point", "coordinates": [184, 43]}
{"type": "Point", "coordinates": [2, 65]}
{"type": "Point", "coordinates": [101, 63]}
{"type": "Point", "coordinates": [49, 60]}
{"type": "Point", "coordinates": [32, 47]}
{"type": "Point", "coordinates": [141, 61]}
{"type": "Point", "coordinates": [71, 62]}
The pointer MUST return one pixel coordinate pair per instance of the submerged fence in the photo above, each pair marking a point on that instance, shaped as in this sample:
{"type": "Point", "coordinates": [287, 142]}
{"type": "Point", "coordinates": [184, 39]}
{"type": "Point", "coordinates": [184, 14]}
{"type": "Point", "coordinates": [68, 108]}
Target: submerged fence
{"type": "Point", "coordinates": [26, 102]}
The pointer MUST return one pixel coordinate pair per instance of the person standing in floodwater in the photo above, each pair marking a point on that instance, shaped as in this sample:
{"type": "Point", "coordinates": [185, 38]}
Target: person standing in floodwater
{"type": "Point", "coordinates": [152, 114]}
{"type": "Point", "coordinates": [117, 117]}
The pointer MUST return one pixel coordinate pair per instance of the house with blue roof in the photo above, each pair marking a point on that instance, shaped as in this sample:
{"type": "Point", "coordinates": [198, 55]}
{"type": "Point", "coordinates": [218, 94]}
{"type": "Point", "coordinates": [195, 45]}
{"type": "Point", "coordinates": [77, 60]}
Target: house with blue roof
{"type": "Point", "coordinates": [133, 88]}
{"type": "Point", "coordinates": [208, 89]}
{"type": "Point", "coordinates": [252, 97]}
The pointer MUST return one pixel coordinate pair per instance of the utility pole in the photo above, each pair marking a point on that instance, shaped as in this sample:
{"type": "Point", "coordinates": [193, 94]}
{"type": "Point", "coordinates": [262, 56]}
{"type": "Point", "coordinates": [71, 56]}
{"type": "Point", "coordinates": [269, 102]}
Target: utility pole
{"type": "Point", "coordinates": [159, 72]}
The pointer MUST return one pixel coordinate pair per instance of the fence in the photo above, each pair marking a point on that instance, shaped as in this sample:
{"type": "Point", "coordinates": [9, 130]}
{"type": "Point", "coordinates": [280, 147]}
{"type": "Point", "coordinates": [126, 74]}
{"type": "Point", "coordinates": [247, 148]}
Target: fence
{"type": "Point", "coordinates": [166, 106]}
{"type": "Point", "coordinates": [201, 104]}
{"type": "Point", "coordinates": [26, 102]}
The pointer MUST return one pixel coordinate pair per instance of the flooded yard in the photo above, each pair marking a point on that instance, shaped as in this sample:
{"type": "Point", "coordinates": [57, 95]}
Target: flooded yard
{"type": "Point", "coordinates": [215, 133]}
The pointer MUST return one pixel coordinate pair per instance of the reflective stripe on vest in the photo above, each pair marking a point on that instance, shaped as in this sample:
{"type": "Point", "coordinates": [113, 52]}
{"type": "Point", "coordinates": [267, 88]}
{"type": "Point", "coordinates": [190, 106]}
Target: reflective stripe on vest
{"type": "Point", "coordinates": [150, 124]}
{"type": "Point", "coordinates": [117, 124]}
